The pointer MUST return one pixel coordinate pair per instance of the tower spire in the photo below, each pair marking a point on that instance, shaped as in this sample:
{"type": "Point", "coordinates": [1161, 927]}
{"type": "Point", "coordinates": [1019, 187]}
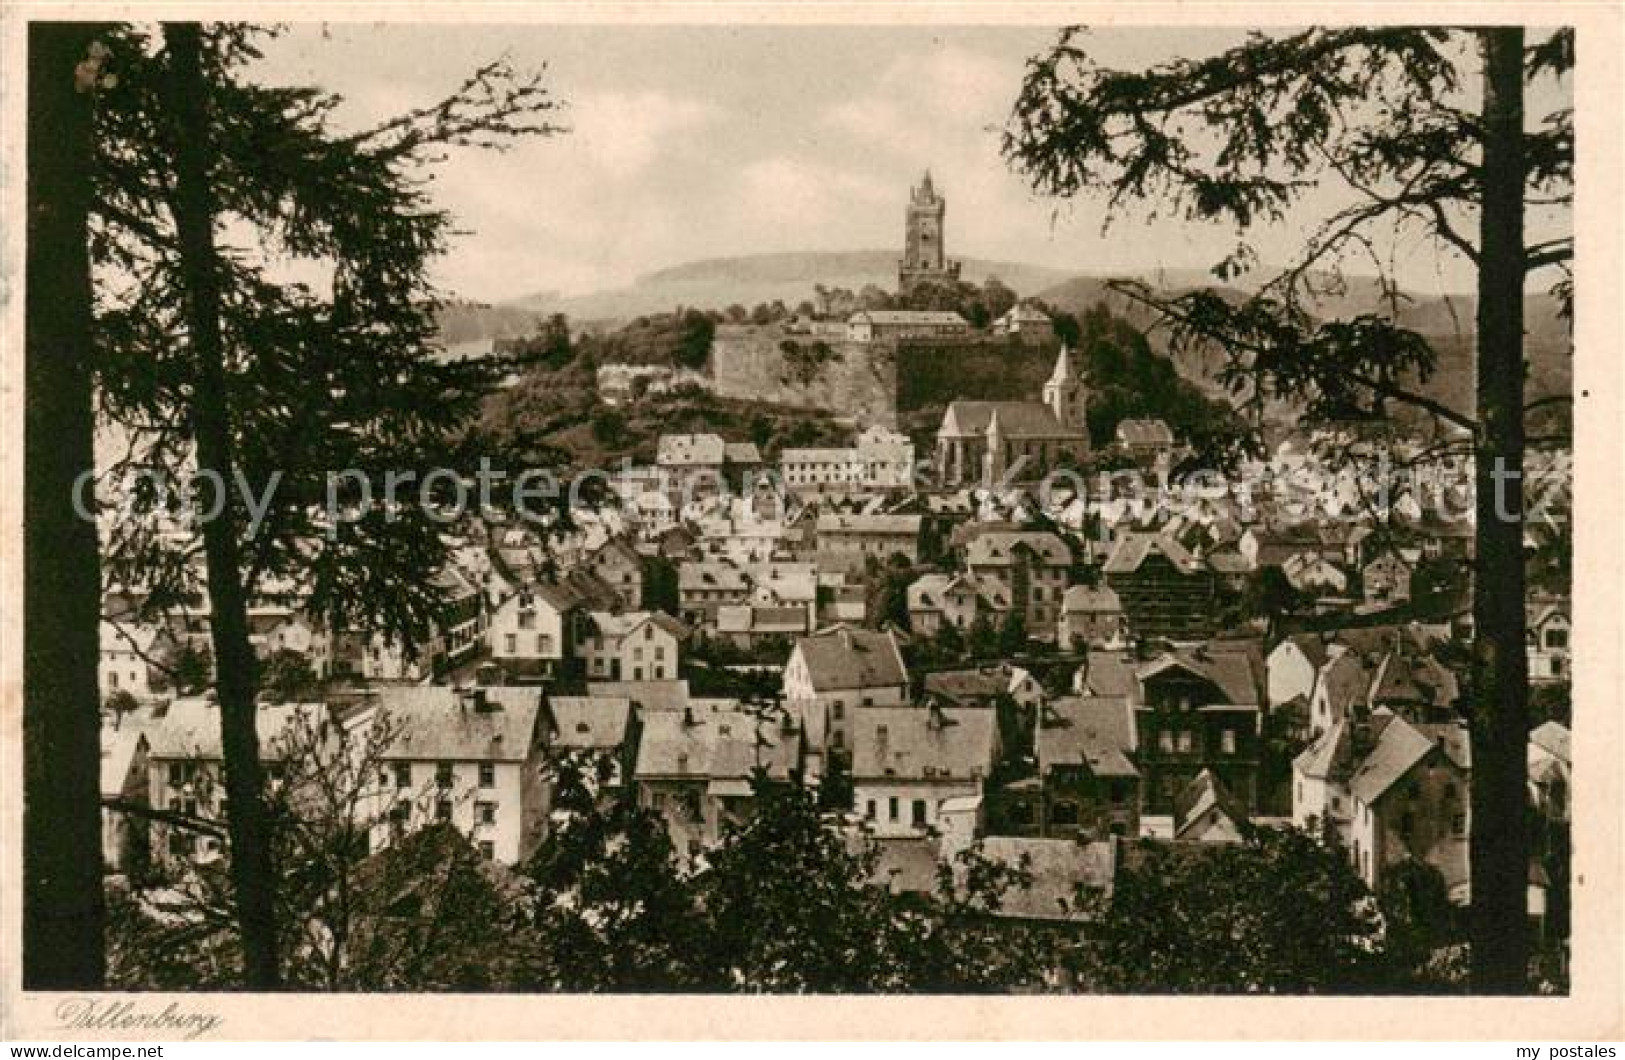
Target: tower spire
{"type": "Point", "coordinates": [1064, 392]}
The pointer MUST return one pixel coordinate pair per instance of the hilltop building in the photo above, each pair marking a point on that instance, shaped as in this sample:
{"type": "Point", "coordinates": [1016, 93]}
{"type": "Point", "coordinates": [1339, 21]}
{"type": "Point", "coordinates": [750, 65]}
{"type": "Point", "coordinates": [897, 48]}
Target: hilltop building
{"type": "Point", "coordinates": [924, 258]}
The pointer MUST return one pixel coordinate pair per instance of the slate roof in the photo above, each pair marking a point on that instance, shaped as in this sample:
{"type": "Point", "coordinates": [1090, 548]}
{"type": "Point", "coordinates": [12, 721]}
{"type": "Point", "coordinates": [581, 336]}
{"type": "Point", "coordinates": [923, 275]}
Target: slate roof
{"type": "Point", "coordinates": [1058, 867]}
{"type": "Point", "coordinates": [442, 724]}
{"type": "Point", "coordinates": [974, 687]}
{"type": "Point", "coordinates": [741, 453]}
{"type": "Point", "coordinates": [190, 728]}
{"type": "Point", "coordinates": [1235, 672]}
{"type": "Point", "coordinates": [955, 743]}
{"type": "Point", "coordinates": [1203, 793]}
{"type": "Point", "coordinates": [612, 626]}
{"type": "Point", "coordinates": [1110, 674]}
{"type": "Point", "coordinates": [715, 744]}
{"type": "Point", "coordinates": [590, 722]}
{"type": "Point", "coordinates": [1144, 432]}
{"type": "Point", "coordinates": [119, 748]}
{"type": "Point", "coordinates": [1330, 756]}
{"type": "Point", "coordinates": [1131, 550]}
{"type": "Point", "coordinates": [1097, 731]}
{"type": "Point", "coordinates": [1399, 747]}
{"type": "Point", "coordinates": [1092, 600]}
{"type": "Point", "coordinates": [834, 522]}
{"type": "Point", "coordinates": [645, 695]}
{"type": "Point", "coordinates": [852, 658]}
{"type": "Point", "coordinates": [746, 618]}
{"type": "Point", "coordinates": [1018, 420]}
{"type": "Point", "coordinates": [996, 548]}
{"type": "Point", "coordinates": [711, 574]}
{"type": "Point", "coordinates": [690, 450]}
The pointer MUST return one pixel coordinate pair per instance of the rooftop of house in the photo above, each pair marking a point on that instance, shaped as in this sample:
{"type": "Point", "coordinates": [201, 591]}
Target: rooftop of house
{"type": "Point", "coordinates": [190, 729]}
{"type": "Point", "coordinates": [975, 687]}
{"type": "Point", "coordinates": [1205, 792]}
{"type": "Point", "coordinates": [1133, 548]}
{"type": "Point", "coordinates": [895, 317]}
{"type": "Point", "coordinates": [1091, 600]}
{"type": "Point", "coordinates": [1025, 313]}
{"type": "Point", "coordinates": [1059, 868]}
{"type": "Point", "coordinates": [690, 450]}
{"type": "Point", "coordinates": [999, 548]}
{"type": "Point", "coordinates": [644, 695]}
{"type": "Point", "coordinates": [590, 723]}
{"type": "Point", "coordinates": [1144, 432]}
{"type": "Point", "coordinates": [618, 626]}
{"type": "Point", "coordinates": [919, 743]}
{"type": "Point", "coordinates": [750, 618]}
{"type": "Point", "coordinates": [837, 522]}
{"type": "Point", "coordinates": [437, 723]}
{"type": "Point", "coordinates": [1097, 731]}
{"type": "Point", "coordinates": [1398, 748]}
{"type": "Point", "coordinates": [845, 658]}
{"type": "Point", "coordinates": [1233, 667]}
{"type": "Point", "coordinates": [716, 745]}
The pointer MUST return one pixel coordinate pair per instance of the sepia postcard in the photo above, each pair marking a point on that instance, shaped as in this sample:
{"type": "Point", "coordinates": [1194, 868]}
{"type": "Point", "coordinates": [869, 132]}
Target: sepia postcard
{"type": "Point", "coordinates": [811, 521]}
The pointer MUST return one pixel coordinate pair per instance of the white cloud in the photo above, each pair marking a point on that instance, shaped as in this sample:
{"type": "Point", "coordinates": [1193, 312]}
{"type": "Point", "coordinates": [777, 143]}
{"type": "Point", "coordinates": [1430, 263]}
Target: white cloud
{"type": "Point", "coordinates": [625, 133]}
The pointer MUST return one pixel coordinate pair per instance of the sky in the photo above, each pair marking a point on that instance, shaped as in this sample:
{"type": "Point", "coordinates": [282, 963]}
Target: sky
{"type": "Point", "coordinates": [691, 142]}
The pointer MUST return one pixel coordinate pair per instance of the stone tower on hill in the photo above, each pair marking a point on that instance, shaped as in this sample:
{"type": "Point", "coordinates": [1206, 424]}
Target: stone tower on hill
{"type": "Point", "coordinates": [924, 251]}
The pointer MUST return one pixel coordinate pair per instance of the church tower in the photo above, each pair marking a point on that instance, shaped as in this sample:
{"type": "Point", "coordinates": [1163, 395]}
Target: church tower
{"type": "Point", "coordinates": [1064, 393]}
{"type": "Point", "coordinates": [924, 250]}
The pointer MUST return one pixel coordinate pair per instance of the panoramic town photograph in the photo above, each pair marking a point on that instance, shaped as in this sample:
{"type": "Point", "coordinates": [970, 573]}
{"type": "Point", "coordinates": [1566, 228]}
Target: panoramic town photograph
{"type": "Point", "coordinates": [791, 509]}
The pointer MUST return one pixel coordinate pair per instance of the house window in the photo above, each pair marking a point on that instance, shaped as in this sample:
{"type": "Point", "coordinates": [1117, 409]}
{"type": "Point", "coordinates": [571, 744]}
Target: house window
{"type": "Point", "coordinates": [511, 643]}
{"type": "Point", "coordinates": [1065, 813]}
{"type": "Point", "coordinates": [1557, 638]}
{"type": "Point", "coordinates": [1184, 740]}
{"type": "Point", "coordinates": [488, 775]}
{"type": "Point", "coordinates": [869, 809]}
{"type": "Point", "coordinates": [891, 808]}
{"type": "Point", "coordinates": [837, 710]}
{"type": "Point", "coordinates": [1165, 742]}
{"type": "Point", "coordinates": [485, 812]}
{"type": "Point", "coordinates": [1458, 824]}
{"type": "Point", "coordinates": [488, 850]}
{"type": "Point", "coordinates": [442, 774]}
{"type": "Point", "coordinates": [403, 774]}
{"type": "Point", "coordinates": [919, 813]}
{"type": "Point", "coordinates": [544, 643]}
{"type": "Point", "coordinates": [527, 620]}
{"type": "Point", "coordinates": [1227, 741]}
{"type": "Point", "coordinates": [442, 810]}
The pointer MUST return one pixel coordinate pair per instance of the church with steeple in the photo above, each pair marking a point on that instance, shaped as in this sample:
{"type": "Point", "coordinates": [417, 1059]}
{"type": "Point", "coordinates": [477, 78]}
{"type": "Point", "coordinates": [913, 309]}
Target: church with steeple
{"type": "Point", "coordinates": [981, 441]}
{"type": "Point", "coordinates": [925, 253]}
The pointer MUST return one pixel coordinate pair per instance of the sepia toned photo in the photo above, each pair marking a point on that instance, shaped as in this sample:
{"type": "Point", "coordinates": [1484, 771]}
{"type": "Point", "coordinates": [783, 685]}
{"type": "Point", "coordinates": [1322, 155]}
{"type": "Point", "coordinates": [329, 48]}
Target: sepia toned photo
{"type": "Point", "coordinates": [1038, 508]}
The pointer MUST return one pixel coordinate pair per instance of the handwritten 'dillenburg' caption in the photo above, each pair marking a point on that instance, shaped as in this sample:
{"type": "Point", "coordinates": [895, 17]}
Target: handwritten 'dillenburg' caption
{"type": "Point", "coordinates": [172, 1020]}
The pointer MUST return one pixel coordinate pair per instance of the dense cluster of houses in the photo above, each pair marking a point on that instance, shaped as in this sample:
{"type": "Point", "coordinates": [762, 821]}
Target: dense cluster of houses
{"type": "Point", "coordinates": [952, 653]}
{"type": "Point", "coordinates": [1053, 677]}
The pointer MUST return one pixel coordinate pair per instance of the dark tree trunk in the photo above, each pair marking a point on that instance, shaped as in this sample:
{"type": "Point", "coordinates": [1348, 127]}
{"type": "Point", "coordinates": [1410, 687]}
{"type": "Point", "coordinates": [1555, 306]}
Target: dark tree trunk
{"type": "Point", "coordinates": [62, 850]}
{"type": "Point", "coordinates": [252, 868]}
{"type": "Point", "coordinates": [1500, 691]}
